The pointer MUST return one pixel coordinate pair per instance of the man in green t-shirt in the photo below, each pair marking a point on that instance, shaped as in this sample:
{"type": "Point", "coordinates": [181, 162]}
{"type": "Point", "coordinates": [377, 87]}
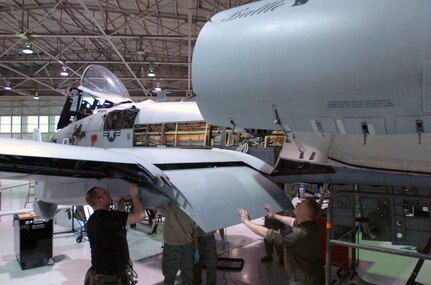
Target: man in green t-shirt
{"type": "Point", "coordinates": [301, 245]}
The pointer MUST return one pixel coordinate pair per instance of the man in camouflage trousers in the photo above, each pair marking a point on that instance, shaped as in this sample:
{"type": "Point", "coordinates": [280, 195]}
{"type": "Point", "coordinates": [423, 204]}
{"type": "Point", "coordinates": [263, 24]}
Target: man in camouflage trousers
{"type": "Point", "coordinates": [178, 250]}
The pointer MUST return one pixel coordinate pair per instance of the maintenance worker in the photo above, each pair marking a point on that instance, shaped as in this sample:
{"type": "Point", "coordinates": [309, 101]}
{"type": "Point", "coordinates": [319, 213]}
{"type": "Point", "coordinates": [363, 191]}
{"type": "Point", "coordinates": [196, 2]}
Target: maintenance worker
{"type": "Point", "coordinates": [178, 248]}
{"type": "Point", "coordinates": [269, 246]}
{"type": "Point", "coordinates": [206, 253]}
{"type": "Point", "coordinates": [106, 230]}
{"type": "Point", "coordinates": [301, 244]}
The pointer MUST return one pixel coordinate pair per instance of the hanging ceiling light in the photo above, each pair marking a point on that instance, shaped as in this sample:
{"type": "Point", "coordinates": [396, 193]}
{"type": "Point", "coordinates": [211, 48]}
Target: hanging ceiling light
{"type": "Point", "coordinates": [64, 71]}
{"type": "Point", "coordinates": [141, 52]}
{"type": "Point", "coordinates": [7, 87]}
{"type": "Point", "coordinates": [158, 87]}
{"type": "Point", "coordinates": [36, 96]}
{"type": "Point", "coordinates": [151, 72]}
{"type": "Point", "coordinates": [27, 48]}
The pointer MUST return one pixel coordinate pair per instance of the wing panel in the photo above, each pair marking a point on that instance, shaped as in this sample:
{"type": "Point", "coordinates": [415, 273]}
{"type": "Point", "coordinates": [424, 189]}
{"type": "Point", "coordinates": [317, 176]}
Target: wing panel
{"type": "Point", "coordinates": [208, 184]}
{"type": "Point", "coordinates": [31, 158]}
{"type": "Point", "coordinates": [211, 196]}
{"type": "Point", "coordinates": [163, 158]}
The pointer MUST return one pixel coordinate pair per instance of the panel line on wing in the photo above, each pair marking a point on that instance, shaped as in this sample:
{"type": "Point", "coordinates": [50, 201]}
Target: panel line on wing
{"type": "Point", "coordinates": [195, 165]}
{"type": "Point", "coordinates": [70, 167]}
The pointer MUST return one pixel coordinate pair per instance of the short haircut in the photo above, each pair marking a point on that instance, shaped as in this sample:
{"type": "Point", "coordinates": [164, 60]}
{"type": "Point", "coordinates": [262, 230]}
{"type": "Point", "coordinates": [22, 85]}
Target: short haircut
{"type": "Point", "coordinates": [313, 206]}
{"type": "Point", "coordinates": [91, 196]}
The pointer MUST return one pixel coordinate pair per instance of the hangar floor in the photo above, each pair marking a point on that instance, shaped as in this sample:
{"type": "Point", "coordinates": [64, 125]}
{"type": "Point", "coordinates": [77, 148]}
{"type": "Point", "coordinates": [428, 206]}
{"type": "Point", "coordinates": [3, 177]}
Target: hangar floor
{"type": "Point", "coordinates": [72, 259]}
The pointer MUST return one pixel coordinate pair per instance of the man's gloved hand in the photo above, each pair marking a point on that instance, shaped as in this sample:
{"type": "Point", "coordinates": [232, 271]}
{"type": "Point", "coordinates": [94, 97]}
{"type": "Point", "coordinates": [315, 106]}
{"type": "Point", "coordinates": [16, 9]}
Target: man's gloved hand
{"type": "Point", "coordinates": [223, 243]}
{"type": "Point", "coordinates": [197, 255]}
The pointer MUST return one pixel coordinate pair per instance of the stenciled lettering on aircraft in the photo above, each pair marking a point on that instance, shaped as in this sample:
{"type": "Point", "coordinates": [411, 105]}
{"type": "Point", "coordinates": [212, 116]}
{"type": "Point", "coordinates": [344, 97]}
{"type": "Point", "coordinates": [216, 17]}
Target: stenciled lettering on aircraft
{"type": "Point", "coordinates": [360, 104]}
{"type": "Point", "coordinates": [299, 2]}
{"type": "Point", "coordinates": [269, 7]}
{"type": "Point", "coordinates": [111, 135]}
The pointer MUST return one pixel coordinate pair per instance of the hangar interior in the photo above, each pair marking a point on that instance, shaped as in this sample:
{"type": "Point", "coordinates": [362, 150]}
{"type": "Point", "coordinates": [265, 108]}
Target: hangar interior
{"type": "Point", "coordinates": [149, 45]}
{"type": "Point", "coordinates": [72, 258]}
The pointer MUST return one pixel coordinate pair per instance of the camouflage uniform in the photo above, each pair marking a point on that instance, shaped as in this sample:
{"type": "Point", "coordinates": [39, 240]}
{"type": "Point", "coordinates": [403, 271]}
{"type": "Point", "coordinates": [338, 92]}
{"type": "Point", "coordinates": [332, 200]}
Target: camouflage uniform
{"type": "Point", "coordinates": [208, 256]}
{"type": "Point", "coordinates": [178, 245]}
{"type": "Point", "coordinates": [177, 257]}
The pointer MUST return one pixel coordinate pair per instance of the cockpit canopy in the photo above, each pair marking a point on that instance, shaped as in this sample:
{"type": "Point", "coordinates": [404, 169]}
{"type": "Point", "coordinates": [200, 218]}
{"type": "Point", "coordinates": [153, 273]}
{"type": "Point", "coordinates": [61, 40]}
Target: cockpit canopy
{"type": "Point", "coordinates": [102, 83]}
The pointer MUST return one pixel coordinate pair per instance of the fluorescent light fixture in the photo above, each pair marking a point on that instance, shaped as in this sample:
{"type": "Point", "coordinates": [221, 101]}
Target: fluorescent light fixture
{"type": "Point", "coordinates": [158, 88]}
{"type": "Point", "coordinates": [64, 71]}
{"type": "Point", "coordinates": [7, 87]}
{"type": "Point", "coordinates": [27, 48]}
{"type": "Point", "coordinates": [151, 72]}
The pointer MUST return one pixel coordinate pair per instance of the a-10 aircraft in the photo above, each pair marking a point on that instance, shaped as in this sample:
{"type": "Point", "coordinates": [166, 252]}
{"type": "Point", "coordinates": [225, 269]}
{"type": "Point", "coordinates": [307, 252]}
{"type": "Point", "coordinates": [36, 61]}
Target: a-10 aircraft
{"type": "Point", "coordinates": [349, 82]}
{"type": "Point", "coordinates": [107, 140]}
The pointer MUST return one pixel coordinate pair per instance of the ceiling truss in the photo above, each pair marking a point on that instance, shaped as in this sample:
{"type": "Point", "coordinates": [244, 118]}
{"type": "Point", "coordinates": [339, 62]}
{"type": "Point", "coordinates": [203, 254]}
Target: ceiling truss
{"type": "Point", "coordinates": [126, 36]}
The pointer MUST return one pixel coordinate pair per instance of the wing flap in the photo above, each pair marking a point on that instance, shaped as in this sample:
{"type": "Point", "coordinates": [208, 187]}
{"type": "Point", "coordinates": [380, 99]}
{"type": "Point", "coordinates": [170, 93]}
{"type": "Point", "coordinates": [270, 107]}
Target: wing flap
{"type": "Point", "coordinates": [211, 196]}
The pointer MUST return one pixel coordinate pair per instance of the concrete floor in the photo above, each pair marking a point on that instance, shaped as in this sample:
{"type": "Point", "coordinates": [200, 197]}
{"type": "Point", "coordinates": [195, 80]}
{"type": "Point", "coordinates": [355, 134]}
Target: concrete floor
{"type": "Point", "coordinates": [72, 259]}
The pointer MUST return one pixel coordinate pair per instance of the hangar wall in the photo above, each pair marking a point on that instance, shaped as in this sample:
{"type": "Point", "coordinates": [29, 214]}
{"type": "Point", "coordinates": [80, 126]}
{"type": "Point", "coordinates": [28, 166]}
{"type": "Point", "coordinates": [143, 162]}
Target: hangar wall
{"type": "Point", "coordinates": [20, 115]}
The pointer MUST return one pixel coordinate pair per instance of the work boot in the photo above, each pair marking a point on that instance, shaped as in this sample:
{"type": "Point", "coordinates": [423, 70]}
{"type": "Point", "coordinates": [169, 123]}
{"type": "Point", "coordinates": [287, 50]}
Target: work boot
{"type": "Point", "coordinates": [266, 258]}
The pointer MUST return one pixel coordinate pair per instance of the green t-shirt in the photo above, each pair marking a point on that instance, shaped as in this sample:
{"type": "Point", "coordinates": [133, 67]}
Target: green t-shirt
{"type": "Point", "coordinates": [301, 253]}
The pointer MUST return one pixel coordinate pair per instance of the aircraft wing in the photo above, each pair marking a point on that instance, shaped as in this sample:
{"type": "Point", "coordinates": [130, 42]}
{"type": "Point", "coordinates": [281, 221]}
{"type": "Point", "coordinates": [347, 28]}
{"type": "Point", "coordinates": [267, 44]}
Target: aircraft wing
{"type": "Point", "coordinates": [209, 185]}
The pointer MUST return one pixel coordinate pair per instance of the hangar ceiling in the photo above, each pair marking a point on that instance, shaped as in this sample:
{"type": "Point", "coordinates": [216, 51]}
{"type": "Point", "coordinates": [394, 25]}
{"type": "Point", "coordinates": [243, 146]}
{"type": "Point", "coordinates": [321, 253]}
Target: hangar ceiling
{"type": "Point", "coordinates": [127, 36]}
